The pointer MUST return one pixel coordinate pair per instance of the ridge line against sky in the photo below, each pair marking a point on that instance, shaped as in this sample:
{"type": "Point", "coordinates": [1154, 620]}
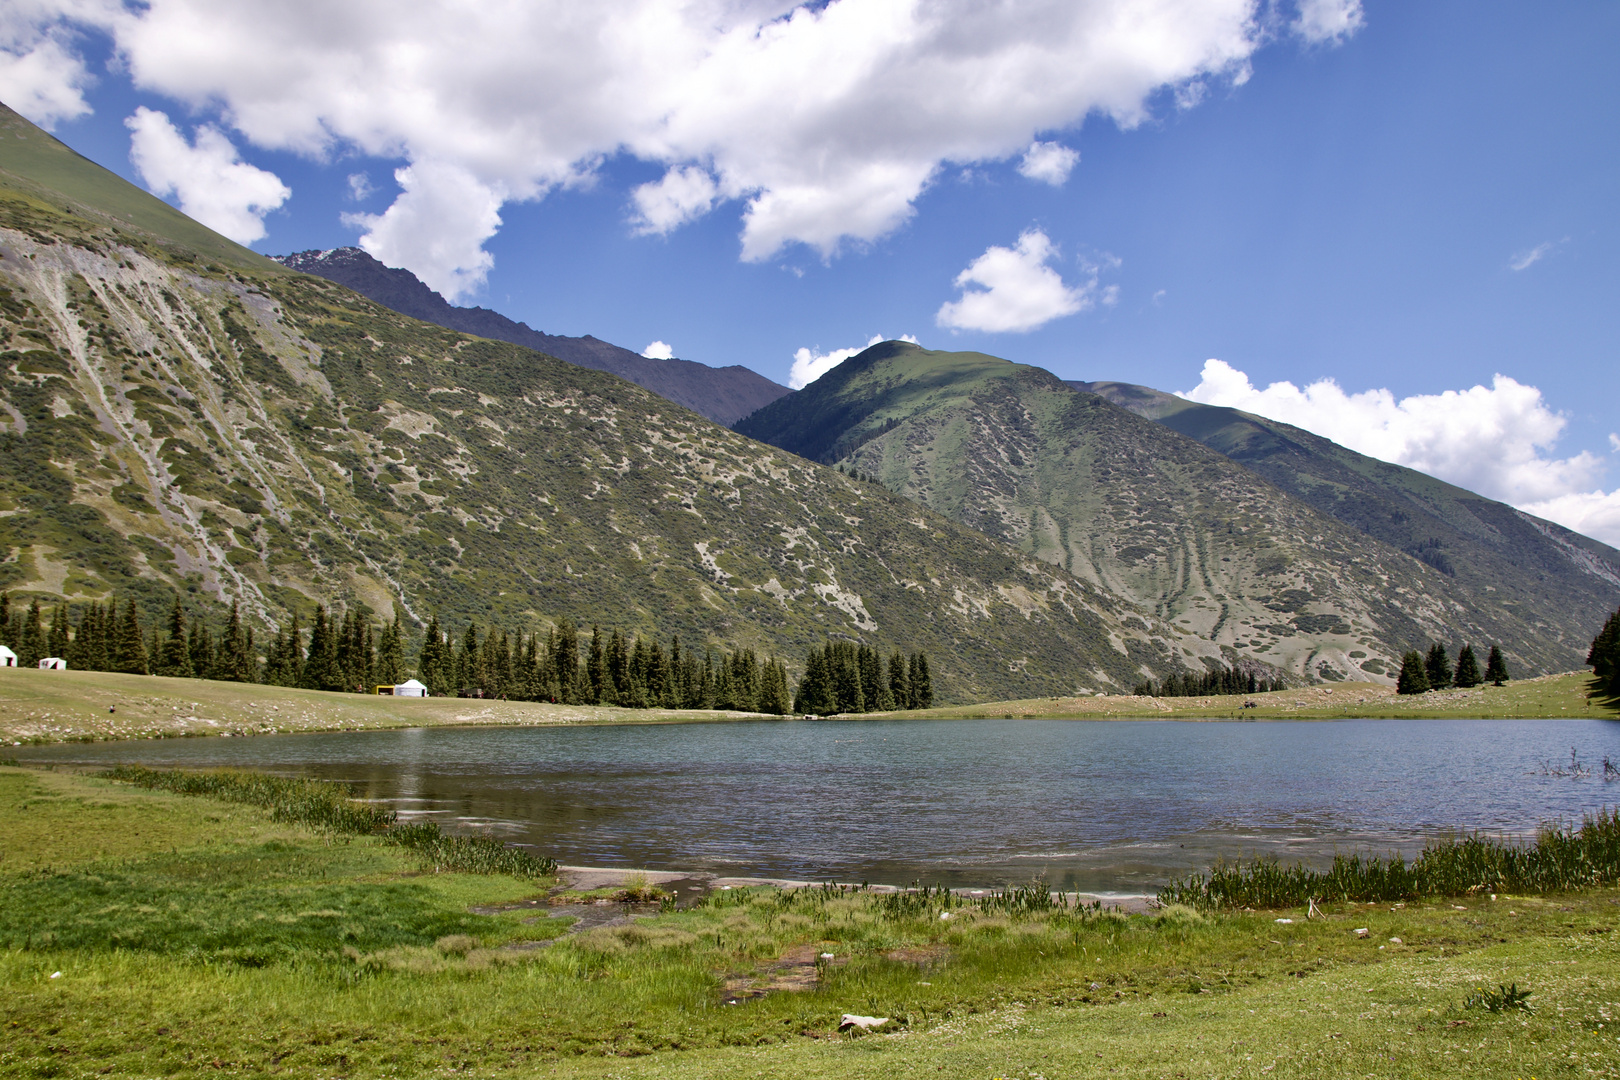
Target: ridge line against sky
{"type": "Point", "coordinates": [1325, 193]}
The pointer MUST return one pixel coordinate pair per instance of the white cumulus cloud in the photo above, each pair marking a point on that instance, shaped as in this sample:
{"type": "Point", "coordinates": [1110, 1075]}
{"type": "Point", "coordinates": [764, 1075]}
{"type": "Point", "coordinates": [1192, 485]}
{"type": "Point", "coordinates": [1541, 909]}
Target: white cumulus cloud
{"type": "Point", "coordinates": [682, 195]}
{"type": "Point", "coordinates": [1018, 290]}
{"type": "Point", "coordinates": [1328, 22]}
{"type": "Point", "coordinates": [826, 120]}
{"type": "Point", "coordinates": [211, 181]}
{"type": "Point", "coordinates": [810, 365]}
{"type": "Point", "coordinates": [659, 350]}
{"type": "Point", "coordinates": [437, 227]}
{"type": "Point", "coordinates": [1497, 440]}
{"type": "Point", "coordinates": [1048, 162]}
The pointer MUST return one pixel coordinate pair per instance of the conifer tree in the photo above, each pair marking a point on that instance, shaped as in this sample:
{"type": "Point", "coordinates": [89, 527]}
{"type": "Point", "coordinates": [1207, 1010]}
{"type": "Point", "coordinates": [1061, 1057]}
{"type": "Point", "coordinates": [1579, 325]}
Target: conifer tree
{"type": "Point", "coordinates": [31, 641]}
{"type": "Point", "coordinates": [434, 666]}
{"type": "Point", "coordinates": [596, 668]}
{"type": "Point", "coordinates": [173, 656]}
{"type": "Point", "coordinates": [201, 649]}
{"type": "Point", "coordinates": [899, 681]}
{"type": "Point", "coordinates": [236, 659]}
{"type": "Point", "coordinates": [1414, 677]}
{"type": "Point", "coordinates": [815, 695]}
{"type": "Point", "coordinates": [773, 692]}
{"type": "Point", "coordinates": [1496, 672]}
{"type": "Point", "coordinates": [1467, 673]}
{"type": "Point", "coordinates": [565, 658]}
{"type": "Point", "coordinates": [129, 649]}
{"type": "Point", "coordinates": [58, 641]}
{"type": "Point", "coordinates": [1604, 656]}
{"type": "Point", "coordinates": [922, 682]}
{"type": "Point", "coordinates": [320, 670]}
{"type": "Point", "coordinates": [8, 632]}
{"type": "Point", "coordinates": [1437, 666]}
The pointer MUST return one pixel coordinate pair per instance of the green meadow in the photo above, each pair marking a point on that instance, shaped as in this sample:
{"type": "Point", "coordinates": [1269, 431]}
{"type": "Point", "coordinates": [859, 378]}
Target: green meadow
{"type": "Point", "coordinates": [60, 706]}
{"type": "Point", "coordinates": [148, 933]}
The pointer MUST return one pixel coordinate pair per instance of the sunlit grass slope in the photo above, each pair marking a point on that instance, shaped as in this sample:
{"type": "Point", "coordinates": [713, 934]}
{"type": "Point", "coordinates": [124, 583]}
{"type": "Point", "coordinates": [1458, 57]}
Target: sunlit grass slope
{"type": "Point", "coordinates": [150, 934]}
{"type": "Point", "coordinates": [34, 163]}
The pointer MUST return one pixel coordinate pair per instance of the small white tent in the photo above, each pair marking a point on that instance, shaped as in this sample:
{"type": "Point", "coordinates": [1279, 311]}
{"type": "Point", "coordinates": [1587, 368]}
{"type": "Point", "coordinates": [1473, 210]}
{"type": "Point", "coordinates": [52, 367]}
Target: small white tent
{"type": "Point", "coordinates": [410, 688]}
{"type": "Point", "coordinates": [53, 663]}
{"type": "Point", "coordinates": [7, 657]}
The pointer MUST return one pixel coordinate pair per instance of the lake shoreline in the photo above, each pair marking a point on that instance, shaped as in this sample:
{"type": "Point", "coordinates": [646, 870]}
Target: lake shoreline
{"type": "Point", "coordinates": [46, 707]}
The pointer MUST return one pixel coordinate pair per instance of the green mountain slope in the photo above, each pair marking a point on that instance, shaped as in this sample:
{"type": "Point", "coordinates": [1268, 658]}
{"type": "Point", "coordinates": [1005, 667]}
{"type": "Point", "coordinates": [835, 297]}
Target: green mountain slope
{"type": "Point", "coordinates": [33, 163]}
{"type": "Point", "coordinates": [1557, 576]}
{"type": "Point", "coordinates": [1149, 514]}
{"type": "Point", "coordinates": [169, 424]}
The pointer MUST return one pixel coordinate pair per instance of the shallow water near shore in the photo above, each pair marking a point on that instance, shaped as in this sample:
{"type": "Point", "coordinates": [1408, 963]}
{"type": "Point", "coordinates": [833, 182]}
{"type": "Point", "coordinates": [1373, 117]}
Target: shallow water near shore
{"type": "Point", "coordinates": [1114, 807]}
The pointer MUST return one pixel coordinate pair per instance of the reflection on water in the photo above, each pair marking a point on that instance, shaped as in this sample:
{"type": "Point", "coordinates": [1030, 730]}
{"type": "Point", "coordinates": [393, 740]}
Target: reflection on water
{"type": "Point", "coordinates": [1108, 806]}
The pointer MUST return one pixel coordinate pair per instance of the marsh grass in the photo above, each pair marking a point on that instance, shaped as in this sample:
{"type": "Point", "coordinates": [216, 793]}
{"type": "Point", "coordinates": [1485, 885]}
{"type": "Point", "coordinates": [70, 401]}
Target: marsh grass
{"type": "Point", "coordinates": [322, 954]}
{"type": "Point", "coordinates": [332, 807]}
{"type": "Point", "coordinates": [1560, 859]}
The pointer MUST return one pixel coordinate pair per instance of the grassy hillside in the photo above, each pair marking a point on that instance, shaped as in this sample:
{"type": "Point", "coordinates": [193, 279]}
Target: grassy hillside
{"type": "Point", "coordinates": [34, 163]}
{"type": "Point", "coordinates": [169, 425]}
{"type": "Point", "coordinates": [1560, 580]}
{"type": "Point", "coordinates": [1156, 517]}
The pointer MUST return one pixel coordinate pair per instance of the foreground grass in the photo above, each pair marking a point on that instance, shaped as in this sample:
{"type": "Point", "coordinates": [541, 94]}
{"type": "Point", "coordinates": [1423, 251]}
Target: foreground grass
{"type": "Point", "coordinates": [194, 936]}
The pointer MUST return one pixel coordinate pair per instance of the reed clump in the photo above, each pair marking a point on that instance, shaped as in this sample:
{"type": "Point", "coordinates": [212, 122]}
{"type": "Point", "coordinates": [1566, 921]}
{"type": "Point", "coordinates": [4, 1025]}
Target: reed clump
{"type": "Point", "coordinates": [1559, 859]}
{"type": "Point", "coordinates": [333, 808]}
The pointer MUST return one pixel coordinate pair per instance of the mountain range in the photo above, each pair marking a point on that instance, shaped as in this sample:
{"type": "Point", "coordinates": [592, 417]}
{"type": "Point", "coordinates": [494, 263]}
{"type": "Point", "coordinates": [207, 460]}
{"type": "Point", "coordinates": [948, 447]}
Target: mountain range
{"type": "Point", "coordinates": [1276, 545]}
{"type": "Point", "coordinates": [725, 395]}
{"type": "Point", "coordinates": [186, 418]}
{"type": "Point", "coordinates": [182, 416]}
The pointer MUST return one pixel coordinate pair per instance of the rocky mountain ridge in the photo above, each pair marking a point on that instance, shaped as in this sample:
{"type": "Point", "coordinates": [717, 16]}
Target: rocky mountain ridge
{"type": "Point", "coordinates": [724, 395]}
{"type": "Point", "coordinates": [1188, 533]}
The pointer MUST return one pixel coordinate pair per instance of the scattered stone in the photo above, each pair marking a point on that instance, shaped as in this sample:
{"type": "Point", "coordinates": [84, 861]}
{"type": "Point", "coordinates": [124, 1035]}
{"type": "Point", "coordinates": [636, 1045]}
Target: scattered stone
{"type": "Point", "coordinates": [864, 1023]}
{"type": "Point", "coordinates": [1361, 931]}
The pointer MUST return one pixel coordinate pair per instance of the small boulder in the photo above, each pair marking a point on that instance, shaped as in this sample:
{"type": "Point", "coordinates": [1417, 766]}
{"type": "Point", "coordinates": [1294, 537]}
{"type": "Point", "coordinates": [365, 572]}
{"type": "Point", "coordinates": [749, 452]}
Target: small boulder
{"type": "Point", "coordinates": [863, 1023]}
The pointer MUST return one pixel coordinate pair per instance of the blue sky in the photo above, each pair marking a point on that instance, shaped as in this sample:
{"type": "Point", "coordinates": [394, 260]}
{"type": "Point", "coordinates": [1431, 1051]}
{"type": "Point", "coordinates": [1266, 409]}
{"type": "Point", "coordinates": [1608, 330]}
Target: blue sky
{"type": "Point", "coordinates": [1407, 198]}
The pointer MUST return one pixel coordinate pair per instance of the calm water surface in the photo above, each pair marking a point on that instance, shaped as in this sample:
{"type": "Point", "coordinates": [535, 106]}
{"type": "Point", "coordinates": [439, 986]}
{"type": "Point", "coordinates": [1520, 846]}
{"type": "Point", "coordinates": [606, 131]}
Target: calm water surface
{"type": "Point", "coordinates": [1112, 807]}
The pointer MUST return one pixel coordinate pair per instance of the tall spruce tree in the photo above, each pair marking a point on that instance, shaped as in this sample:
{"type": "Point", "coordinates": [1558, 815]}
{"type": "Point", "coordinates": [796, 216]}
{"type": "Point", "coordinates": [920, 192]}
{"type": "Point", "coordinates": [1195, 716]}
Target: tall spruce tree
{"type": "Point", "coordinates": [1604, 656]}
{"type": "Point", "coordinates": [31, 641]}
{"type": "Point", "coordinates": [59, 640]}
{"type": "Point", "coordinates": [1437, 666]}
{"type": "Point", "coordinates": [1467, 673]}
{"type": "Point", "coordinates": [922, 682]}
{"type": "Point", "coordinates": [1496, 672]}
{"type": "Point", "coordinates": [128, 646]}
{"type": "Point", "coordinates": [1414, 677]}
{"type": "Point", "coordinates": [173, 656]}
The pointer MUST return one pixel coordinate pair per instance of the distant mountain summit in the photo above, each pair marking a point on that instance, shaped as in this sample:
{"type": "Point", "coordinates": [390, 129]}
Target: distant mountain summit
{"type": "Point", "coordinates": [725, 395]}
{"type": "Point", "coordinates": [1279, 546]}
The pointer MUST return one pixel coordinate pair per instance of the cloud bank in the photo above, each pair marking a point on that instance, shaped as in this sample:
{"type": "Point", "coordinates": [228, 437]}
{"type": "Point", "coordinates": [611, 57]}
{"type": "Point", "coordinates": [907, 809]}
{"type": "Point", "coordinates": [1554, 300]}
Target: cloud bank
{"type": "Point", "coordinates": [810, 365]}
{"type": "Point", "coordinates": [1497, 440]}
{"type": "Point", "coordinates": [826, 121]}
{"type": "Point", "coordinates": [213, 184]}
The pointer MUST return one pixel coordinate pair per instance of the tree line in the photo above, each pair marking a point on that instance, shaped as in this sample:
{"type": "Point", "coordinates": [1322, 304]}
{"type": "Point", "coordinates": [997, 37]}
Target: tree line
{"type": "Point", "coordinates": [1218, 682]}
{"type": "Point", "coordinates": [1421, 673]}
{"type": "Point", "coordinates": [1604, 656]}
{"type": "Point", "coordinates": [842, 677]}
{"type": "Point", "coordinates": [350, 654]}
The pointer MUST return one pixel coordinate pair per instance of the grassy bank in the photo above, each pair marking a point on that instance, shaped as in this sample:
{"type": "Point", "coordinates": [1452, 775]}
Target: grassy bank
{"type": "Point", "coordinates": [1565, 695]}
{"type": "Point", "coordinates": [59, 706]}
{"type": "Point", "coordinates": [195, 936]}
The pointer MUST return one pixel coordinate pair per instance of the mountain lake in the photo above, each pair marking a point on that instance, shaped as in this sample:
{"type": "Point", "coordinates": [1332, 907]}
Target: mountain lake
{"type": "Point", "coordinates": [1114, 808]}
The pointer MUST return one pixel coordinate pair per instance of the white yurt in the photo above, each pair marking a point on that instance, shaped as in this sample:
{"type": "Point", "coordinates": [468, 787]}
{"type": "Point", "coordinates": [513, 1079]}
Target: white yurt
{"type": "Point", "coordinates": [410, 688]}
{"type": "Point", "coordinates": [7, 657]}
{"type": "Point", "coordinates": [53, 663]}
